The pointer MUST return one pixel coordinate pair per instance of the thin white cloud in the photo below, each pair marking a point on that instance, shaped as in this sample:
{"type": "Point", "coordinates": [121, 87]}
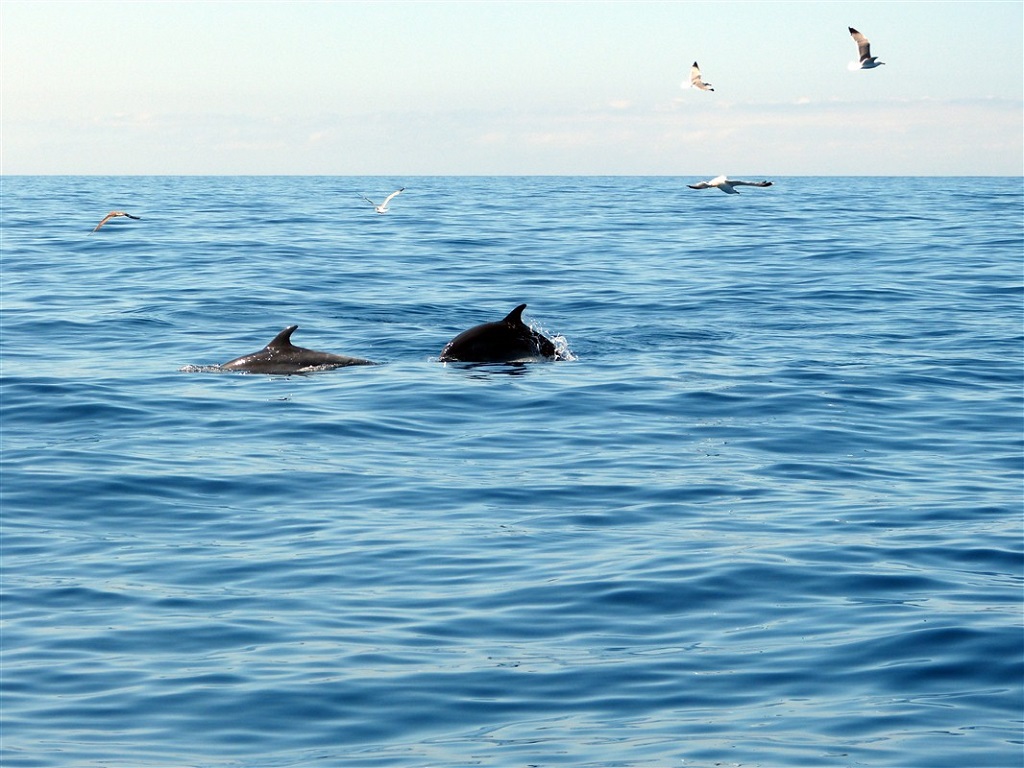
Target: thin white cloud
{"type": "Point", "coordinates": [893, 137]}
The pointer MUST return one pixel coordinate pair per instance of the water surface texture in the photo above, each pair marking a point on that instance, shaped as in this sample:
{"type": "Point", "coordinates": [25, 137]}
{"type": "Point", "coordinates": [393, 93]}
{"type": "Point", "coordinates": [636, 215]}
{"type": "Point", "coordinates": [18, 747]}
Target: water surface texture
{"type": "Point", "coordinates": [768, 513]}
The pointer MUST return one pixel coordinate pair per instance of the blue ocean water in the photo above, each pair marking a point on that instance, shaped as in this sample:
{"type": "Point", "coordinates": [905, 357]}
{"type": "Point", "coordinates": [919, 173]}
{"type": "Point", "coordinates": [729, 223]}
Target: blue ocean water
{"type": "Point", "coordinates": [768, 514]}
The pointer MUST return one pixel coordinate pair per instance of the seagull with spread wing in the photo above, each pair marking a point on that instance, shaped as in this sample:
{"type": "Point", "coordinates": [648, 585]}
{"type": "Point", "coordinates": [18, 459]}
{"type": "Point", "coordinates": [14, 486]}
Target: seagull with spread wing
{"type": "Point", "coordinates": [726, 184]}
{"type": "Point", "coordinates": [114, 215]}
{"type": "Point", "coordinates": [695, 81]}
{"type": "Point", "coordinates": [383, 207]}
{"type": "Point", "coordinates": [867, 61]}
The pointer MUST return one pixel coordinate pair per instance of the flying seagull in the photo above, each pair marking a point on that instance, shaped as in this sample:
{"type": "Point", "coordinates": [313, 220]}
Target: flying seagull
{"type": "Point", "coordinates": [695, 81]}
{"type": "Point", "coordinates": [114, 215]}
{"type": "Point", "coordinates": [383, 207]}
{"type": "Point", "coordinates": [726, 185]}
{"type": "Point", "coordinates": [867, 61]}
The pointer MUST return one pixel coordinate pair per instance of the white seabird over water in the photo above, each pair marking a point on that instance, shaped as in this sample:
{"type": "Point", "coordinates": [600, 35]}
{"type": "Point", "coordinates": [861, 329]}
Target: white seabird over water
{"type": "Point", "coordinates": [867, 61]}
{"type": "Point", "coordinates": [383, 207]}
{"type": "Point", "coordinates": [695, 81]}
{"type": "Point", "coordinates": [114, 215]}
{"type": "Point", "coordinates": [726, 184]}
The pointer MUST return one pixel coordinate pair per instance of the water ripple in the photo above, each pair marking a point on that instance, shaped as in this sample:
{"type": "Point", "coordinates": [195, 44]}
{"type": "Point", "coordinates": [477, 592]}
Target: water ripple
{"type": "Point", "coordinates": [768, 514]}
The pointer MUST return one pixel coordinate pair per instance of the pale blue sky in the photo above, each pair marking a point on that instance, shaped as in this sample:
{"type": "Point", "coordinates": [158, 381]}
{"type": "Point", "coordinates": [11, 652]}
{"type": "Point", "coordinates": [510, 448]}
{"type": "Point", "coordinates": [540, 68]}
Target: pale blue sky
{"type": "Point", "coordinates": [403, 89]}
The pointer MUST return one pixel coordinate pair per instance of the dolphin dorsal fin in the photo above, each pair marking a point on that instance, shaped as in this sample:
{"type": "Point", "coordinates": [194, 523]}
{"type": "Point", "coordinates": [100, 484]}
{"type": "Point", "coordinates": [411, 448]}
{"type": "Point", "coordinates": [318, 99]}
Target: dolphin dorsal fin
{"type": "Point", "coordinates": [515, 317]}
{"type": "Point", "coordinates": [283, 339]}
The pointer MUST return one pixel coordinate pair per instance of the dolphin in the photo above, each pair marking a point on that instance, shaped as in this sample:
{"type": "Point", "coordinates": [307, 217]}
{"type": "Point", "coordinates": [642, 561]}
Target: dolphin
{"type": "Point", "coordinates": [281, 356]}
{"type": "Point", "coordinates": [506, 341]}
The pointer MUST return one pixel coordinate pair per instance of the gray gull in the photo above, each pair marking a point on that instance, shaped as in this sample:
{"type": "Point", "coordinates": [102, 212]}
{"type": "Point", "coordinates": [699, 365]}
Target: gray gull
{"type": "Point", "coordinates": [726, 184]}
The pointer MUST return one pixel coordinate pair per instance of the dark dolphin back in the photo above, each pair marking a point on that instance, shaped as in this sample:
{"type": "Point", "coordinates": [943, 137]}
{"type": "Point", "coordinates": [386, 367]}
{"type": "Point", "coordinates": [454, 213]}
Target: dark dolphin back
{"type": "Point", "coordinates": [504, 341]}
{"type": "Point", "coordinates": [540, 343]}
{"type": "Point", "coordinates": [281, 356]}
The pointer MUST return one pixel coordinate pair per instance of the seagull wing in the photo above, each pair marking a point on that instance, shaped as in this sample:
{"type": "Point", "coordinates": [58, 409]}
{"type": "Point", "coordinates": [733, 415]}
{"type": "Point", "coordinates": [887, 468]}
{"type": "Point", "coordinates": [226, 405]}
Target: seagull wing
{"type": "Point", "coordinates": [104, 220]}
{"type": "Point", "coordinates": [369, 201]}
{"type": "Point", "coordinates": [389, 198]}
{"type": "Point", "coordinates": [737, 183]}
{"type": "Point", "coordinates": [114, 215]}
{"type": "Point", "coordinates": [699, 185]}
{"type": "Point", "coordinates": [863, 44]}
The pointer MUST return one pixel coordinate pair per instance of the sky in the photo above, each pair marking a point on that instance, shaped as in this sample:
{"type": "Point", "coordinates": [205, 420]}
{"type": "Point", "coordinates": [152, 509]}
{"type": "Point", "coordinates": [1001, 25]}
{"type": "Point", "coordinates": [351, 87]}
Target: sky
{"type": "Point", "coordinates": [498, 88]}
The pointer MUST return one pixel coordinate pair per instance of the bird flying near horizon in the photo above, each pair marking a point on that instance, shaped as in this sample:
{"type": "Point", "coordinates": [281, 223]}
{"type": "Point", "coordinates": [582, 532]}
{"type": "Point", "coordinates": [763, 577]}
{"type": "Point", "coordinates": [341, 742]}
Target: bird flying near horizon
{"type": "Point", "coordinates": [114, 215]}
{"type": "Point", "coordinates": [383, 207]}
{"type": "Point", "coordinates": [726, 184]}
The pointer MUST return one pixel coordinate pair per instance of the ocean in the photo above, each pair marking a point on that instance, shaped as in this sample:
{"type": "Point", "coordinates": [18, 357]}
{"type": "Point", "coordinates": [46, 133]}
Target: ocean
{"type": "Point", "coordinates": [767, 512]}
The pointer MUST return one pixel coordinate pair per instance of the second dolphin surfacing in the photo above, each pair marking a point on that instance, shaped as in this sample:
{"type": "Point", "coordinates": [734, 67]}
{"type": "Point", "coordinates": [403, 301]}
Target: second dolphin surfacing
{"type": "Point", "coordinates": [506, 341]}
{"type": "Point", "coordinates": [280, 356]}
